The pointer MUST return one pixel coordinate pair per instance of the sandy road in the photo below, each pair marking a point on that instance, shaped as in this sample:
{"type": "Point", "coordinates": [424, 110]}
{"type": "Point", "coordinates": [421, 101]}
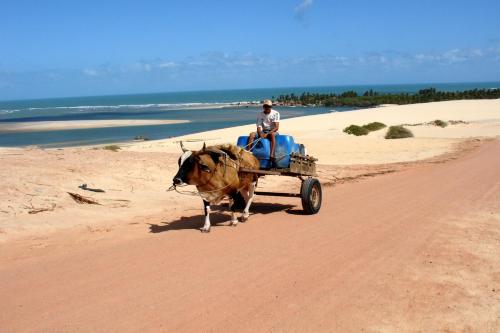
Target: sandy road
{"type": "Point", "coordinates": [416, 250]}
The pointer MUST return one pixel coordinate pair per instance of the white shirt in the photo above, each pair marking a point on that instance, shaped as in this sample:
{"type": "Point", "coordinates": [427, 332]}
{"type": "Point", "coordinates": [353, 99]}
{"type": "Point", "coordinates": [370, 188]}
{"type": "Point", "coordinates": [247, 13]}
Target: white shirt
{"type": "Point", "coordinates": [267, 121]}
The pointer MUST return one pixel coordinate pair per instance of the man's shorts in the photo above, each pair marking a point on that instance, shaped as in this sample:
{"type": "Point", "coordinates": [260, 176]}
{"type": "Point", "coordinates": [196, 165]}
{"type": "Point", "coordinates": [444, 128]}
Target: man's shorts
{"type": "Point", "coordinates": [263, 131]}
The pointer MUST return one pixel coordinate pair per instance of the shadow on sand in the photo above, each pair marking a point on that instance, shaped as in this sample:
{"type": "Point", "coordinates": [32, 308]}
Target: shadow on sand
{"type": "Point", "coordinates": [220, 214]}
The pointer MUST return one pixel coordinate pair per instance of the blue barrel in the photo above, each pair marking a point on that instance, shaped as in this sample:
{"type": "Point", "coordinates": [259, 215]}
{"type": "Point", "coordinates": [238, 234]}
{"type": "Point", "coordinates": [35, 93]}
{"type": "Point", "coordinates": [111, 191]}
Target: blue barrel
{"type": "Point", "coordinates": [242, 142]}
{"type": "Point", "coordinates": [261, 150]}
{"type": "Point", "coordinates": [285, 145]}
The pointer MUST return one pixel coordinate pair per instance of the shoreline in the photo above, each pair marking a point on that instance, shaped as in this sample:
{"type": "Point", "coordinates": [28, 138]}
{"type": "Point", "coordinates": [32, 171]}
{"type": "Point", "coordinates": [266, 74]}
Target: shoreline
{"type": "Point", "coordinates": [32, 126]}
{"type": "Point", "coordinates": [470, 119]}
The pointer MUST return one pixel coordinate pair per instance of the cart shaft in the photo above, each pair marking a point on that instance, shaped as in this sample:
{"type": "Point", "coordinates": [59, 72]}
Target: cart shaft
{"type": "Point", "coordinates": [275, 194]}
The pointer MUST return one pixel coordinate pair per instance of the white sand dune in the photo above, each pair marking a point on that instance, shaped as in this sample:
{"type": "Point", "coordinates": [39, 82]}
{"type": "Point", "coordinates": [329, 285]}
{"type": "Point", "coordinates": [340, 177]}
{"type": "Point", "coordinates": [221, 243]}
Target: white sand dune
{"type": "Point", "coordinates": [324, 137]}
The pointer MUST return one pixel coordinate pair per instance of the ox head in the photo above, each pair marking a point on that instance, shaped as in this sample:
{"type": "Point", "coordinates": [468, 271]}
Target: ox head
{"type": "Point", "coordinates": [197, 167]}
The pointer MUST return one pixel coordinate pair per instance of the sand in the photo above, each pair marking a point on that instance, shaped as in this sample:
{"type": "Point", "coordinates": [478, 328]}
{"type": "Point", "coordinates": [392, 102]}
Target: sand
{"type": "Point", "coordinates": [79, 124]}
{"type": "Point", "coordinates": [412, 251]}
{"type": "Point", "coordinates": [406, 240]}
{"type": "Point", "coordinates": [324, 137]}
{"type": "Point", "coordinates": [136, 178]}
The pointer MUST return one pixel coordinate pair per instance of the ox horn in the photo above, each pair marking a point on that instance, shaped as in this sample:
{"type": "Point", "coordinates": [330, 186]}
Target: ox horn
{"type": "Point", "coordinates": [183, 148]}
{"type": "Point", "coordinates": [204, 146]}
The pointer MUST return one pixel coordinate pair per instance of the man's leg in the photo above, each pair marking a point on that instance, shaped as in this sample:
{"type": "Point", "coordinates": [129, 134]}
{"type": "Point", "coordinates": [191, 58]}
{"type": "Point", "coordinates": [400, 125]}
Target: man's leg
{"type": "Point", "coordinates": [271, 137]}
{"type": "Point", "coordinates": [251, 138]}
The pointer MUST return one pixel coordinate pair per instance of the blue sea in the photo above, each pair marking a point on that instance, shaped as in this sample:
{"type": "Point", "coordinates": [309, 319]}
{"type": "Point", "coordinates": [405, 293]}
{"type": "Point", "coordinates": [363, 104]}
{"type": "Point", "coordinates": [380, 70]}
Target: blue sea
{"type": "Point", "coordinates": [205, 110]}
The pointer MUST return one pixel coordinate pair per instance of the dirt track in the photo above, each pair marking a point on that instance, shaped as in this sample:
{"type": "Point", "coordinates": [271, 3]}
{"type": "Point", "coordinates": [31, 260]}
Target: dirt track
{"type": "Point", "coordinates": [416, 250]}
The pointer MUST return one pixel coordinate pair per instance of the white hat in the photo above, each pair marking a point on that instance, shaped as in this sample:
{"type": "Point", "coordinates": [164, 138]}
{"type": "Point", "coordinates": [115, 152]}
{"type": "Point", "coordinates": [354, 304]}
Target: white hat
{"type": "Point", "coordinates": [267, 102]}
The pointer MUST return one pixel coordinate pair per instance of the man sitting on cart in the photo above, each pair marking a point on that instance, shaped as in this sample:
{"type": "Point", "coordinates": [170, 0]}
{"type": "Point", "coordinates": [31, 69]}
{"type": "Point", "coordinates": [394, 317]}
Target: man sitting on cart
{"type": "Point", "coordinates": [268, 124]}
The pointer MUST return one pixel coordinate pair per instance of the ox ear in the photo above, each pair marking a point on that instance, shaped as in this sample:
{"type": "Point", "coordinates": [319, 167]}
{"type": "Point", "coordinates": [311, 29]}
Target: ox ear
{"type": "Point", "coordinates": [215, 156]}
{"type": "Point", "coordinates": [183, 148]}
{"type": "Point", "coordinates": [215, 153]}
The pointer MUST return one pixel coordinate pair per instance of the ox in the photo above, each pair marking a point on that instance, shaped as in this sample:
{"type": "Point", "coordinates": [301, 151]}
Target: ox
{"type": "Point", "coordinates": [215, 171]}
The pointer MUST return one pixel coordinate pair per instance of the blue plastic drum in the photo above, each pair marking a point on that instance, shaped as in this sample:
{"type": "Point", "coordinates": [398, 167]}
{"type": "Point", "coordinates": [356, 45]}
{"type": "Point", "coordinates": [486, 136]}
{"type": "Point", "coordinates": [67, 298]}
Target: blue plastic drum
{"type": "Point", "coordinates": [285, 145]}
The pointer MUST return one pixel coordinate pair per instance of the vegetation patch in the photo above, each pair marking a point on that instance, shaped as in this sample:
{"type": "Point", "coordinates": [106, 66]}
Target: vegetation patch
{"type": "Point", "coordinates": [375, 126]}
{"type": "Point", "coordinates": [114, 148]}
{"type": "Point", "coordinates": [365, 129]}
{"type": "Point", "coordinates": [414, 124]}
{"type": "Point", "coordinates": [141, 138]}
{"type": "Point", "coordinates": [439, 123]}
{"type": "Point", "coordinates": [398, 132]}
{"type": "Point", "coordinates": [456, 122]}
{"type": "Point", "coordinates": [372, 98]}
{"type": "Point", "coordinates": [356, 130]}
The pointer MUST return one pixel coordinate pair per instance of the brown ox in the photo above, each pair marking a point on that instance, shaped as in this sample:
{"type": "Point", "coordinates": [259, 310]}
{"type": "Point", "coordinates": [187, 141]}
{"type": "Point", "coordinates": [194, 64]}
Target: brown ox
{"type": "Point", "coordinates": [215, 172]}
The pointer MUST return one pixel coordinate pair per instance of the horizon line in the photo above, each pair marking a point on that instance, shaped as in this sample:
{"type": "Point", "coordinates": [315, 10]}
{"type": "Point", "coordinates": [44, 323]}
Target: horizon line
{"type": "Point", "coordinates": [242, 89]}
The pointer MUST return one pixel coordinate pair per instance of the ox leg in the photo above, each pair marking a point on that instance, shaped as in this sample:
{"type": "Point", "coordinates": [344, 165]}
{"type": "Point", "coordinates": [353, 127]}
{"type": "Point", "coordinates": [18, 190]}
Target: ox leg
{"type": "Point", "coordinates": [244, 193]}
{"type": "Point", "coordinates": [206, 226]}
{"type": "Point", "coordinates": [251, 194]}
{"type": "Point", "coordinates": [234, 220]}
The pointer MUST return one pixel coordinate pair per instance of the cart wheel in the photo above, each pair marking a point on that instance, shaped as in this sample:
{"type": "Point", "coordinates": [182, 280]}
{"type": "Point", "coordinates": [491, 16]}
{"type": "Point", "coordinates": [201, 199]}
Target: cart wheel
{"type": "Point", "coordinates": [311, 195]}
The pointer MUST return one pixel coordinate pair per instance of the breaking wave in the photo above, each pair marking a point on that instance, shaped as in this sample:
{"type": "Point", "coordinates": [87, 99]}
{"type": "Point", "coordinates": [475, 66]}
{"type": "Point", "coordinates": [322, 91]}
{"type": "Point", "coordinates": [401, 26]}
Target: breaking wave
{"type": "Point", "coordinates": [124, 107]}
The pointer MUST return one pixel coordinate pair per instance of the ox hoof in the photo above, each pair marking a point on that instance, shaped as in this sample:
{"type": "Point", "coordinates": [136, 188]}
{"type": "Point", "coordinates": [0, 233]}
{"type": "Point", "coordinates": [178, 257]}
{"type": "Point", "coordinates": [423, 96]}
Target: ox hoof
{"type": "Point", "coordinates": [205, 230]}
{"type": "Point", "coordinates": [243, 219]}
{"type": "Point", "coordinates": [233, 224]}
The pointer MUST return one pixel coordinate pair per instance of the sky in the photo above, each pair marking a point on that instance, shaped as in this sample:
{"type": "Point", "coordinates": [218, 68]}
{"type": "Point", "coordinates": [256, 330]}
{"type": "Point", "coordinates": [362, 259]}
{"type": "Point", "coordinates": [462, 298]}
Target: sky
{"type": "Point", "coordinates": [76, 48]}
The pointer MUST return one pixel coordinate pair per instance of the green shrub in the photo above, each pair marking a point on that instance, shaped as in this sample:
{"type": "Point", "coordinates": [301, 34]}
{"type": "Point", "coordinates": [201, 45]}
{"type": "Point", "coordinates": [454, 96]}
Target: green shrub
{"type": "Point", "coordinates": [114, 148]}
{"type": "Point", "coordinates": [398, 132]}
{"type": "Point", "coordinates": [356, 130]}
{"type": "Point", "coordinates": [375, 126]}
{"type": "Point", "coordinates": [439, 123]}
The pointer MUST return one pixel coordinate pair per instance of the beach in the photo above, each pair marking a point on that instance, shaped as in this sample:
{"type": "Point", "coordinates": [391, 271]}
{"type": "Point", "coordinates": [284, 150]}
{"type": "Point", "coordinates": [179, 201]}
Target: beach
{"type": "Point", "coordinates": [383, 251]}
{"type": "Point", "coordinates": [79, 124]}
{"type": "Point", "coordinates": [140, 171]}
{"type": "Point", "coordinates": [324, 137]}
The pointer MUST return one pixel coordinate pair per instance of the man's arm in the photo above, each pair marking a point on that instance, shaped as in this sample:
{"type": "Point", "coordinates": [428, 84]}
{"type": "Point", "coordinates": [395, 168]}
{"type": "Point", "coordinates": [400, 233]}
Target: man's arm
{"type": "Point", "coordinates": [258, 123]}
{"type": "Point", "coordinates": [260, 134]}
{"type": "Point", "coordinates": [276, 123]}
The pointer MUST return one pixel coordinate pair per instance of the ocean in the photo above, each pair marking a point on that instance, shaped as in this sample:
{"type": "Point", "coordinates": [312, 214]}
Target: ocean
{"type": "Point", "coordinates": [205, 110]}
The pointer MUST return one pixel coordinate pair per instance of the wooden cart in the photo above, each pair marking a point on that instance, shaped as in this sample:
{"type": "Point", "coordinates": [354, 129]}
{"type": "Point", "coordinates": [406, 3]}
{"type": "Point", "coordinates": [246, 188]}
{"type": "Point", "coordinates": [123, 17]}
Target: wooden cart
{"type": "Point", "coordinates": [304, 168]}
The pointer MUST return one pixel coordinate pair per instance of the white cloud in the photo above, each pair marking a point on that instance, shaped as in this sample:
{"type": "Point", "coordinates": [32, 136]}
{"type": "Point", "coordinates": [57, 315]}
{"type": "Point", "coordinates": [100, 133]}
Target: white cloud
{"type": "Point", "coordinates": [90, 72]}
{"type": "Point", "coordinates": [237, 69]}
{"type": "Point", "coordinates": [301, 11]}
{"type": "Point", "coordinates": [219, 60]}
{"type": "Point", "coordinates": [213, 62]}
{"type": "Point", "coordinates": [303, 5]}
{"type": "Point", "coordinates": [168, 64]}
{"type": "Point", "coordinates": [456, 56]}
{"type": "Point", "coordinates": [228, 65]}
{"type": "Point", "coordinates": [477, 52]}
